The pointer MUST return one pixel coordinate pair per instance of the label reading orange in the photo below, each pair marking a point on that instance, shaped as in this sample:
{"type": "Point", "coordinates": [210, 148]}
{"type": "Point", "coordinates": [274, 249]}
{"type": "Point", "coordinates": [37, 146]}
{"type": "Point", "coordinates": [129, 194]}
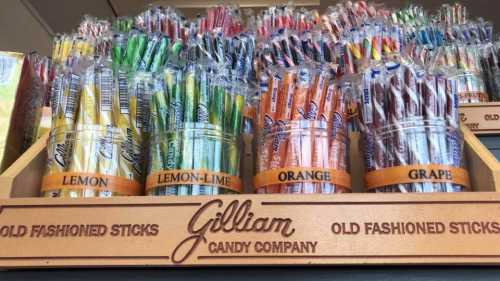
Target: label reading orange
{"type": "Point", "coordinates": [196, 177]}
{"type": "Point", "coordinates": [416, 174]}
{"type": "Point", "coordinates": [299, 175]}
{"type": "Point", "coordinates": [93, 181]}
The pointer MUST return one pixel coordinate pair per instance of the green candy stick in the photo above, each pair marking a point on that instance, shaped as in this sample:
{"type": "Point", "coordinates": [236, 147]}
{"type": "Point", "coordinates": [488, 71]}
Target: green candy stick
{"type": "Point", "coordinates": [233, 158]}
{"type": "Point", "coordinates": [156, 155]}
{"type": "Point", "coordinates": [118, 50]}
{"type": "Point", "coordinates": [147, 56]}
{"type": "Point", "coordinates": [217, 119]}
{"type": "Point", "coordinates": [138, 52]}
{"type": "Point", "coordinates": [188, 149]}
{"type": "Point", "coordinates": [161, 54]}
{"type": "Point", "coordinates": [131, 46]}
{"type": "Point", "coordinates": [203, 153]}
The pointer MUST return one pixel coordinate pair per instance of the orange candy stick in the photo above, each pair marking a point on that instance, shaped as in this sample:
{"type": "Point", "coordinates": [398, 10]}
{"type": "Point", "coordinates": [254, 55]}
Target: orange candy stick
{"type": "Point", "coordinates": [280, 140]}
{"type": "Point", "coordinates": [295, 150]}
{"type": "Point", "coordinates": [318, 140]}
{"type": "Point", "coordinates": [270, 114]}
{"type": "Point", "coordinates": [338, 148]}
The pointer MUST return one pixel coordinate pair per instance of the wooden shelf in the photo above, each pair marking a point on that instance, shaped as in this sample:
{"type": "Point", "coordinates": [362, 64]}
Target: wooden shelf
{"type": "Point", "coordinates": [347, 229]}
{"type": "Point", "coordinates": [481, 118]}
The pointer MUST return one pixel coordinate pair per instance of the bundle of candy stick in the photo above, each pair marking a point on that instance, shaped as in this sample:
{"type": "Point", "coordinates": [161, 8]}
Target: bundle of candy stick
{"type": "Point", "coordinates": [198, 74]}
{"type": "Point", "coordinates": [302, 119]}
{"type": "Point", "coordinates": [409, 116]}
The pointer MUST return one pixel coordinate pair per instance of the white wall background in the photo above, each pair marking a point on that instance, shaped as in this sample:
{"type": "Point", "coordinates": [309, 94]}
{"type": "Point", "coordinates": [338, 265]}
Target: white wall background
{"type": "Point", "coordinates": [20, 30]}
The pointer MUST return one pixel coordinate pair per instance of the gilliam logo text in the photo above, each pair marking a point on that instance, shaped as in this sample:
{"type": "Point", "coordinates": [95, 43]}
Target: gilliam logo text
{"type": "Point", "coordinates": [234, 217]}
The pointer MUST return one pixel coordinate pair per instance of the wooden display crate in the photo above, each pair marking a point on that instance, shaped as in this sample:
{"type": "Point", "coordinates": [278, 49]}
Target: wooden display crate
{"type": "Point", "coordinates": [481, 118]}
{"type": "Point", "coordinates": [458, 228]}
{"type": "Point", "coordinates": [24, 176]}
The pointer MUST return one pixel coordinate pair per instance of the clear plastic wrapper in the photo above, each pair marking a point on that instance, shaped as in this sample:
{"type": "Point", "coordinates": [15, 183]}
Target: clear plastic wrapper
{"type": "Point", "coordinates": [491, 70]}
{"type": "Point", "coordinates": [427, 153]}
{"type": "Point", "coordinates": [471, 88]}
{"type": "Point", "coordinates": [453, 13]}
{"type": "Point", "coordinates": [303, 157]}
{"type": "Point", "coordinates": [165, 20]}
{"type": "Point", "coordinates": [99, 124]}
{"type": "Point", "coordinates": [302, 123]}
{"type": "Point", "coordinates": [409, 130]}
{"type": "Point", "coordinates": [196, 128]}
{"type": "Point", "coordinates": [468, 64]}
{"type": "Point", "coordinates": [145, 52]}
{"type": "Point", "coordinates": [92, 166]}
{"type": "Point", "coordinates": [199, 159]}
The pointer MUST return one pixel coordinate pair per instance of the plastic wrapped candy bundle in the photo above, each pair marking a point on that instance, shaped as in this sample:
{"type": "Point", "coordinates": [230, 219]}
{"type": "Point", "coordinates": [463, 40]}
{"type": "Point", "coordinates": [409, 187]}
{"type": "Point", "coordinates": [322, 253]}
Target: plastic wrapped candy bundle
{"type": "Point", "coordinates": [99, 122]}
{"type": "Point", "coordinates": [409, 125]}
{"type": "Point", "coordinates": [197, 120]}
{"type": "Point", "coordinates": [195, 141]}
{"type": "Point", "coordinates": [491, 69]}
{"type": "Point", "coordinates": [303, 143]}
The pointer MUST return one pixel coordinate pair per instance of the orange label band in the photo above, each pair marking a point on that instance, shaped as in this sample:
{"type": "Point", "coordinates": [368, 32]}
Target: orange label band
{"type": "Point", "coordinates": [472, 94]}
{"type": "Point", "coordinates": [298, 175]}
{"type": "Point", "coordinates": [197, 177]}
{"type": "Point", "coordinates": [416, 174]}
{"type": "Point", "coordinates": [97, 182]}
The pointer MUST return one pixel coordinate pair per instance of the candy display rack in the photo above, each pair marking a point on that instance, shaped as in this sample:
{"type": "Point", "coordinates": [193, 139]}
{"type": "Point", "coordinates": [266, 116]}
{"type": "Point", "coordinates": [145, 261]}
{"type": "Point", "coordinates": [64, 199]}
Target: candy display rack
{"type": "Point", "coordinates": [347, 229]}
